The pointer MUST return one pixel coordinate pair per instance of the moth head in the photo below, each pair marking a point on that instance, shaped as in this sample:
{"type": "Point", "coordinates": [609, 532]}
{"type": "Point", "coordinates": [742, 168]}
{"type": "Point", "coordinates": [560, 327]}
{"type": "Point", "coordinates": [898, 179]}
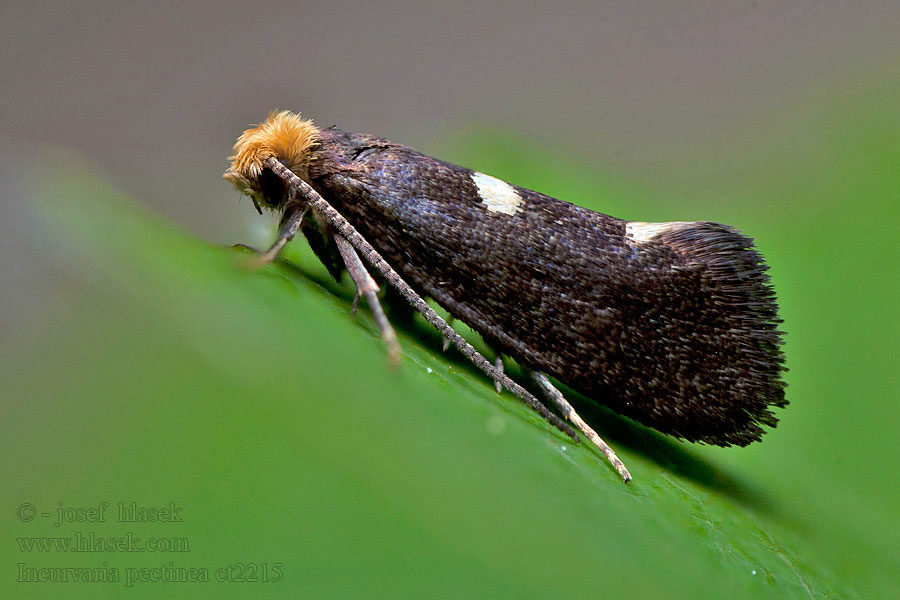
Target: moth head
{"type": "Point", "coordinates": [284, 136]}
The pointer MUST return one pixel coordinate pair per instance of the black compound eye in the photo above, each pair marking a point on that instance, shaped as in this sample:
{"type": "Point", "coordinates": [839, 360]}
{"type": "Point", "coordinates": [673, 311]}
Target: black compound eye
{"type": "Point", "coordinates": [271, 187]}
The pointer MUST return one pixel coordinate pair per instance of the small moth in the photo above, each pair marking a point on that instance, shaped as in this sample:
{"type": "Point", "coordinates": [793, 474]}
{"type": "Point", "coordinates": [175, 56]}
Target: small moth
{"type": "Point", "coordinates": [671, 324]}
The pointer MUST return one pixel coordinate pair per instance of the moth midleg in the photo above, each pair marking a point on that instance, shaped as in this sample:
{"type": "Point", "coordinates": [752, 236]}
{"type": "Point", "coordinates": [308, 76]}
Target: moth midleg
{"type": "Point", "coordinates": [446, 342]}
{"type": "Point", "coordinates": [368, 289]}
{"type": "Point", "coordinates": [557, 398]}
{"type": "Point", "coordinates": [303, 192]}
{"type": "Point", "coordinates": [321, 241]}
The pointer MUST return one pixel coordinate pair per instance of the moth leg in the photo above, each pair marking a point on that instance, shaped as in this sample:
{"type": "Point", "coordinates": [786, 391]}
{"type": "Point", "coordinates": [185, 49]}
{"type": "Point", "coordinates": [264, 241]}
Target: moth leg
{"type": "Point", "coordinates": [290, 224]}
{"type": "Point", "coordinates": [556, 396]}
{"type": "Point", "coordinates": [446, 343]}
{"type": "Point", "coordinates": [321, 241]}
{"type": "Point", "coordinates": [367, 288]}
{"type": "Point", "coordinates": [498, 364]}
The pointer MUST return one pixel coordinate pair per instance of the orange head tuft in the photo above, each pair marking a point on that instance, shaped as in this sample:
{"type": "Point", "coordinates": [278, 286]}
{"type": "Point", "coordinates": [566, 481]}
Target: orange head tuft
{"type": "Point", "coordinates": [283, 135]}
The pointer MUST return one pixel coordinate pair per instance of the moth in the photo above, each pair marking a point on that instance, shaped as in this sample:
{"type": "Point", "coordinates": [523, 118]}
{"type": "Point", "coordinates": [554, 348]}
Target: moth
{"type": "Point", "coordinates": [671, 324]}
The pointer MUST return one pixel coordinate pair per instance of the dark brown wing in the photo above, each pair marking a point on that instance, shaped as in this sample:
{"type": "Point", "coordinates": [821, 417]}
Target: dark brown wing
{"type": "Point", "coordinates": [677, 331]}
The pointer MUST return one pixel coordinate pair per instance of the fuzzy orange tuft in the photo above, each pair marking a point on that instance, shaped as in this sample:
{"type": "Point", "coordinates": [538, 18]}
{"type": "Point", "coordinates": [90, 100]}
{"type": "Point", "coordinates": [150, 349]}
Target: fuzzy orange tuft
{"type": "Point", "coordinates": [283, 135]}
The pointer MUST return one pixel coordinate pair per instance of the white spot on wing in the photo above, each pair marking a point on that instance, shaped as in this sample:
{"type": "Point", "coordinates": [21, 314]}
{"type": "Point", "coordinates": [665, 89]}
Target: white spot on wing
{"type": "Point", "coordinates": [644, 232]}
{"type": "Point", "coordinates": [498, 196]}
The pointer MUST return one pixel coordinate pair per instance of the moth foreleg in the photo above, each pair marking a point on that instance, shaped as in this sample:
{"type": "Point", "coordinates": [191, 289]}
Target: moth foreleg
{"type": "Point", "coordinates": [290, 224]}
{"type": "Point", "coordinates": [368, 289]}
{"type": "Point", "coordinates": [557, 398]}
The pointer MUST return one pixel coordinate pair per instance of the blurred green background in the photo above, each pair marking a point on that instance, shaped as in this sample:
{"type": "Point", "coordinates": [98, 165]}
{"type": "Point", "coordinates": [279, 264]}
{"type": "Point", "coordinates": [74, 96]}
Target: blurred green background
{"type": "Point", "coordinates": [141, 364]}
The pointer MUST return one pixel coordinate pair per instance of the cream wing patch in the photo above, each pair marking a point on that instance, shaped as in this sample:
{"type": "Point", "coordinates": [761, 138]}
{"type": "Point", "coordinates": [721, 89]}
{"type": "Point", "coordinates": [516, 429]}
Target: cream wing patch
{"type": "Point", "coordinates": [644, 232]}
{"type": "Point", "coordinates": [498, 196]}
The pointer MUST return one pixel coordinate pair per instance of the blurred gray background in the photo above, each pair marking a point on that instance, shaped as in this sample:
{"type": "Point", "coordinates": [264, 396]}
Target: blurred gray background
{"type": "Point", "coordinates": [155, 93]}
